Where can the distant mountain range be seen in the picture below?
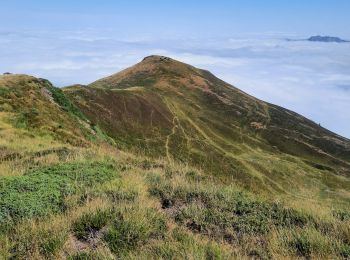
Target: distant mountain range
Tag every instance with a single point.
(319, 38)
(325, 39)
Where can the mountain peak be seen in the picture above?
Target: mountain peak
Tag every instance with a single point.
(156, 58)
(165, 86)
(150, 70)
(320, 38)
(159, 61)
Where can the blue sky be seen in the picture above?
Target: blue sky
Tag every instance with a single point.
(182, 17)
(241, 41)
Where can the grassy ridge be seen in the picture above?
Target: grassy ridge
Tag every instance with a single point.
(36, 105)
(198, 128)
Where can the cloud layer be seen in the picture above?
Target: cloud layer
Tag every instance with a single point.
(310, 78)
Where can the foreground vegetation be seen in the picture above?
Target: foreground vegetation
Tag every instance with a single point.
(103, 204)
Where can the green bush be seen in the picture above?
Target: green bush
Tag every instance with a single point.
(205, 209)
(342, 215)
(42, 191)
(26, 119)
(134, 227)
(120, 195)
(4, 92)
(344, 251)
(59, 97)
(309, 242)
(117, 191)
(50, 244)
(91, 222)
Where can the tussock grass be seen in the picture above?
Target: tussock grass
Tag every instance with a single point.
(138, 208)
(89, 223)
(134, 227)
(230, 214)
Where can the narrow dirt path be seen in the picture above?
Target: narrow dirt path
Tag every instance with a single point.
(176, 124)
(173, 131)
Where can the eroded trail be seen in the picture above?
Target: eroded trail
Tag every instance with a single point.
(173, 131)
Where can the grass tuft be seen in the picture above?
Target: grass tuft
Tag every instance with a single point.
(134, 227)
(90, 223)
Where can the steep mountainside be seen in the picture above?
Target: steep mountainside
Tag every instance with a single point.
(163, 107)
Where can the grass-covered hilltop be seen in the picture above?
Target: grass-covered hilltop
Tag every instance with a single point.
(166, 161)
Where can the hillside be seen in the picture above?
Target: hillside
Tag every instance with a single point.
(31, 103)
(166, 161)
(162, 107)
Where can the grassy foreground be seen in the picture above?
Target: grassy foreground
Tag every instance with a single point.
(99, 203)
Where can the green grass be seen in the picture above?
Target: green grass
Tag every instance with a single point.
(183, 245)
(146, 209)
(26, 119)
(36, 238)
(101, 135)
(60, 98)
(230, 214)
(4, 92)
(41, 192)
(311, 243)
(134, 227)
(89, 223)
(226, 208)
(342, 215)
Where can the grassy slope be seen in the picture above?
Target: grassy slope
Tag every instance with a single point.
(88, 200)
(31, 103)
(162, 107)
(104, 204)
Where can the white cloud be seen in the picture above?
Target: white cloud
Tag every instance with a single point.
(310, 78)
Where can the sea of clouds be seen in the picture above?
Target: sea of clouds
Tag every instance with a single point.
(311, 78)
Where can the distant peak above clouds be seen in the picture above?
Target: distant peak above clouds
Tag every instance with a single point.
(325, 39)
(319, 38)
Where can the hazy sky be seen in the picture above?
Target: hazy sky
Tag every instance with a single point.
(181, 17)
(241, 41)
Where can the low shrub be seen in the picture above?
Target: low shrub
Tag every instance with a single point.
(4, 92)
(59, 97)
(342, 215)
(117, 191)
(205, 208)
(26, 119)
(90, 223)
(309, 242)
(42, 191)
(134, 227)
